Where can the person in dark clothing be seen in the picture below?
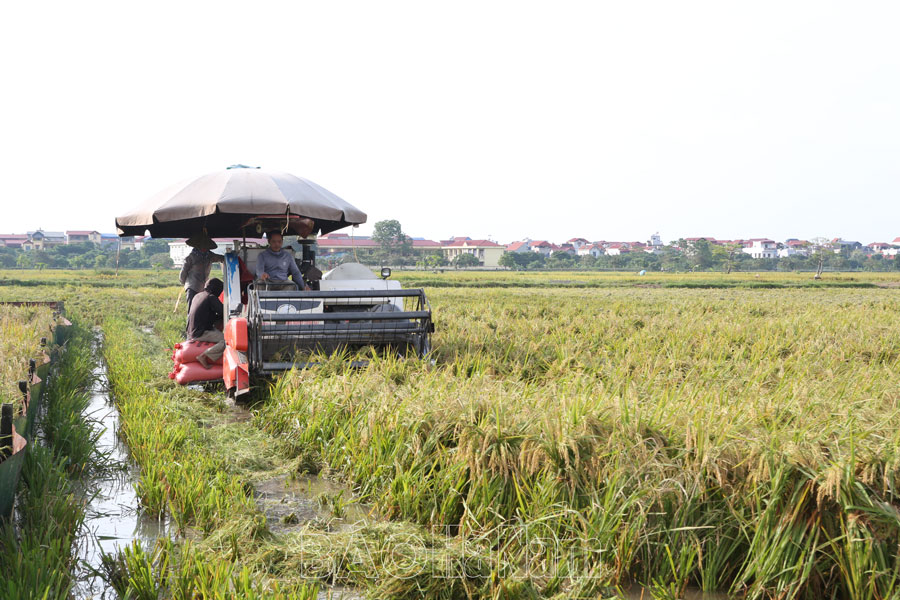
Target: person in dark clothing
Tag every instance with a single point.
(205, 321)
(197, 265)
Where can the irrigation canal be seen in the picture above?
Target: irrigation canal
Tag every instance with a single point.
(113, 518)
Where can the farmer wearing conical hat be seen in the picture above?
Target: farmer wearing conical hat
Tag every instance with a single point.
(197, 265)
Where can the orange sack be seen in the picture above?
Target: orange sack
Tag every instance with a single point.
(186, 352)
(193, 371)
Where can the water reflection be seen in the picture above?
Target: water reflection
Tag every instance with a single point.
(112, 515)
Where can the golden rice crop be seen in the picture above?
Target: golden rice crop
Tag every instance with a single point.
(589, 432)
(728, 439)
(21, 330)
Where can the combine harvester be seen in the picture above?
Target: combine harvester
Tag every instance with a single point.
(279, 325)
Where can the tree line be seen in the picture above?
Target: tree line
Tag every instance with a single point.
(396, 248)
(154, 254)
(703, 256)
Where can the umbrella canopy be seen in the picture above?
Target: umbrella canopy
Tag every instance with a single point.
(223, 202)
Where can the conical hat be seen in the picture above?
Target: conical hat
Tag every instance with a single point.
(201, 241)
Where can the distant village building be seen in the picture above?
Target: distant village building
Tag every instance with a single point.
(541, 247)
(693, 240)
(762, 248)
(594, 250)
(577, 243)
(12, 240)
(111, 239)
(79, 237)
(487, 252)
(41, 240)
(839, 245)
(883, 248)
(522, 246)
(656, 244)
(794, 247)
(616, 248)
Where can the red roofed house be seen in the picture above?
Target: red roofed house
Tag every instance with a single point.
(594, 250)
(13, 240)
(541, 247)
(617, 248)
(487, 252)
(883, 249)
(522, 246)
(76, 237)
(794, 247)
(577, 243)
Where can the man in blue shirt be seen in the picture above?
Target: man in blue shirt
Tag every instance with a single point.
(274, 264)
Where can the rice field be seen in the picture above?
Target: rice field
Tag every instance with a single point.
(21, 330)
(576, 435)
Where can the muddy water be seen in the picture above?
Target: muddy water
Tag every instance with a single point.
(113, 518)
(290, 502)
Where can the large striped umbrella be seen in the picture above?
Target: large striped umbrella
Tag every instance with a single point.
(226, 202)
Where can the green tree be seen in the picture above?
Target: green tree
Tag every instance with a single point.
(25, 260)
(81, 261)
(521, 260)
(435, 259)
(161, 260)
(389, 235)
(465, 260)
(702, 254)
(728, 255)
(154, 246)
(821, 254)
(561, 260)
(508, 260)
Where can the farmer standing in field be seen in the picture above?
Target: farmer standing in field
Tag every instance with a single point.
(197, 265)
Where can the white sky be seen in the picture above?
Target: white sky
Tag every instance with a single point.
(604, 120)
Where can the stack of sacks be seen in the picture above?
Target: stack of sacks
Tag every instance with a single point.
(187, 369)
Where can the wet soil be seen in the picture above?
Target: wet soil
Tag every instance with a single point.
(292, 502)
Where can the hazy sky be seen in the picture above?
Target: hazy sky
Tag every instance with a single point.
(604, 120)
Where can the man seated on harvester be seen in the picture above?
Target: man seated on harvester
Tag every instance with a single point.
(205, 322)
(274, 264)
